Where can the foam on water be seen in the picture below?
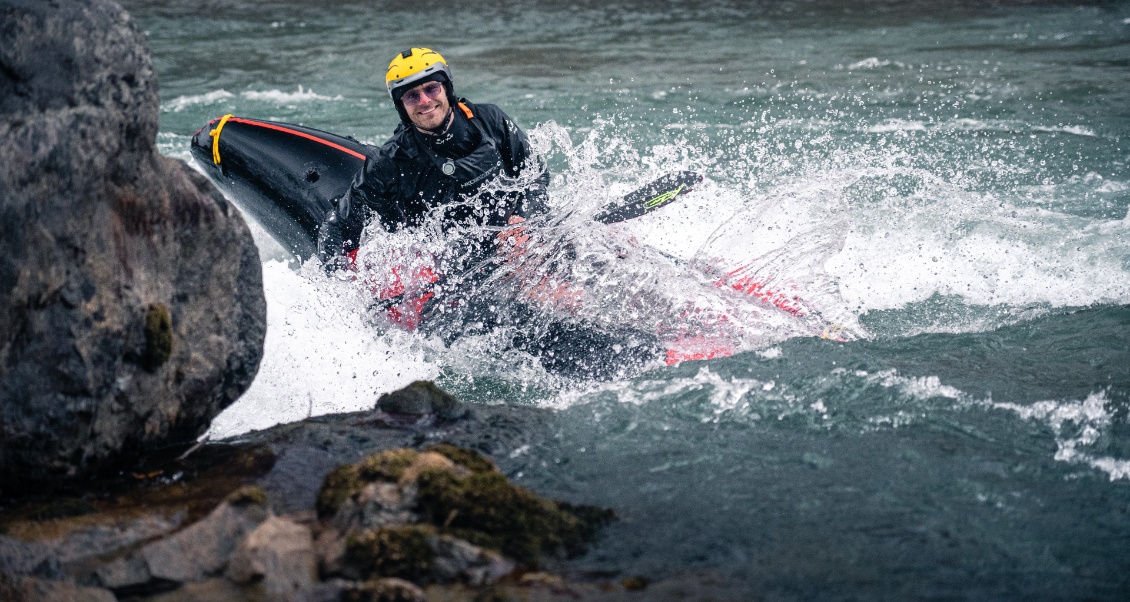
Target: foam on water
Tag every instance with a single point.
(280, 97)
(275, 96)
(321, 354)
(181, 103)
(1078, 426)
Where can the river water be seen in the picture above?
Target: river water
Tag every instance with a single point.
(948, 185)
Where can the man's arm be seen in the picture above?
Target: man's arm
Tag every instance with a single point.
(521, 158)
(340, 231)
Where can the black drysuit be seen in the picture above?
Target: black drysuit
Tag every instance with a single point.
(414, 173)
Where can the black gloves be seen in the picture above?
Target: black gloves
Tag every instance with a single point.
(331, 236)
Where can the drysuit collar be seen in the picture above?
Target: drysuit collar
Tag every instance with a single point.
(457, 139)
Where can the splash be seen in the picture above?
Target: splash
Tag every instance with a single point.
(321, 354)
(1078, 427)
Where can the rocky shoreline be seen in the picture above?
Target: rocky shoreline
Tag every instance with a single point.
(397, 503)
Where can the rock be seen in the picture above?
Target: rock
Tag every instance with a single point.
(279, 554)
(423, 398)
(198, 551)
(209, 590)
(381, 489)
(330, 590)
(401, 551)
(457, 495)
(31, 589)
(131, 301)
(457, 560)
(389, 589)
(330, 550)
(28, 558)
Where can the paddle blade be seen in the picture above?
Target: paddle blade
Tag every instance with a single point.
(654, 195)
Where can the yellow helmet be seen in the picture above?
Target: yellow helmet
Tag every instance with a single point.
(413, 65)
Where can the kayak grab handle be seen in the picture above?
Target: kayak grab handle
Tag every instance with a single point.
(215, 134)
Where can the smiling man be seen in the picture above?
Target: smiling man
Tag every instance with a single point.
(440, 157)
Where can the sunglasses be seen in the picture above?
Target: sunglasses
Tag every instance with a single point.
(416, 96)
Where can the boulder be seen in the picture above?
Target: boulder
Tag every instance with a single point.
(31, 589)
(279, 555)
(422, 398)
(131, 300)
(190, 555)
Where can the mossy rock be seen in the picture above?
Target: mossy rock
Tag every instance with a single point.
(462, 493)
(337, 486)
(402, 552)
(347, 480)
(420, 398)
(487, 510)
(467, 458)
(247, 495)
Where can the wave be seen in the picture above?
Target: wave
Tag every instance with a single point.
(181, 103)
(301, 95)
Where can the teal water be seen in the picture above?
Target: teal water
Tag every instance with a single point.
(950, 184)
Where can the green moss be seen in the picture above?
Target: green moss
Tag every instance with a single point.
(247, 495)
(483, 507)
(469, 459)
(158, 337)
(401, 552)
(387, 465)
(347, 480)
(488, 510)
(338, 485)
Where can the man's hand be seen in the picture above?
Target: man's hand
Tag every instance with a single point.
(513, 239)
(330, 242)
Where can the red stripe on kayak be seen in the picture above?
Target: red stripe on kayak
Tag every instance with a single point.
(272, 126)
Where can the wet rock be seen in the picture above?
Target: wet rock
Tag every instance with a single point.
(423, 398)
(402, 552)
(486, 509)
(459, 561)
(421, 554)
(209, 590)
(385, 590)
(28, 558)
(131, 301)
(437, 516)
(279, 555)
(200, 550)
(330, 590)
(31, 589)
(330, 550)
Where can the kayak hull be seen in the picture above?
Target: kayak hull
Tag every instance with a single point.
(284, 176)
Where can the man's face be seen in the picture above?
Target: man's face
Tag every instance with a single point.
(426, 105)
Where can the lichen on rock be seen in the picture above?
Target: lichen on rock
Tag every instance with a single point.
(158, 337)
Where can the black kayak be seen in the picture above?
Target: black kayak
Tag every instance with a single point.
(283, 175)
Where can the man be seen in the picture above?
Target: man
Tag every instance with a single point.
(440, 158)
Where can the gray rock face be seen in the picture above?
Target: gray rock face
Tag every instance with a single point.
(198, 551)
(279, 554)
(422, 398)
(131, 301)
